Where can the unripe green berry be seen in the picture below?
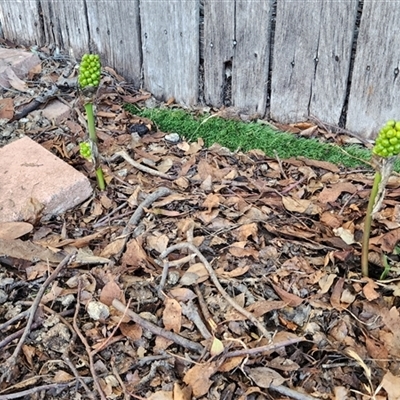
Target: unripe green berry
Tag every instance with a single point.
(387, 143)
(89, 71)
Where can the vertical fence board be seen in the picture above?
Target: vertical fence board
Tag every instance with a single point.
(115, 35)
(312, 54)
(375, 90)
(66, 25)
(20, 22)
(251, 55)
(219, 36)
(332, 70)
(170, 45)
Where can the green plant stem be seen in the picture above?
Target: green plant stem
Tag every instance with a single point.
(93, 137)
(90, 121)
(367, 224)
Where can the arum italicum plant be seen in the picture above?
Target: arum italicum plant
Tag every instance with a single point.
(385, 152)
(88, 80)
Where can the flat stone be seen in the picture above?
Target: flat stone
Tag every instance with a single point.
(31, 177)
(18, 62)
(55, 111)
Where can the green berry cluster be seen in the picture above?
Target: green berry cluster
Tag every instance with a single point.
(387, 143)
(89, 71)
(85, 150)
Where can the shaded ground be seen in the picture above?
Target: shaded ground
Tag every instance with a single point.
(211, 274)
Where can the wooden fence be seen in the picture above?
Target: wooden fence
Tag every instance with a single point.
(337, 60)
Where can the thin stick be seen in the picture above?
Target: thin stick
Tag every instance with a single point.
(156, 330)
(36, 389)
(143, 168)
(104, 344)
(262, 349)
(213, 276)
(291, 393)
(10, 363)
(87, 347)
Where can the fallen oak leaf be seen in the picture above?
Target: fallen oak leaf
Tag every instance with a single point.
(198, 378)
(290, 299)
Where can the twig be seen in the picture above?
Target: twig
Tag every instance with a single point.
(190, 312)
(120, 381)
(36, 389)
(262, 349)
(280, 164)
(34, 326)
(104, 344)
(203, 307)
(78, 377)
(87, 347)
(291, 393)
(156, 330)
(213, 276)
(10, 363)
(135, 218)
(143, 168)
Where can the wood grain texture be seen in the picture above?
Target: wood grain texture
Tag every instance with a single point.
(66, 25)
(20, 22)
(170, 46)
(219, 37)
(312, 54)
(251, 55)
(375, 90)
(115, 35)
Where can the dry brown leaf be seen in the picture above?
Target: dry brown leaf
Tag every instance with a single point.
(113, 248)
(62, 376)
(161, 395)
(14, 230)
(6, 108)
(230, 364)
(182, 294)
(331, 194)
(326, 282)
(198, 378)
(172, 315)
(391, 384)
(111, 291)
(238, 249)
(157, 242)
(239, 271)
(211, 201)
(265, 377)
(337, 294)
(182, 393)
(289, 298)
(196, 273)
(246, 230)
(369, 290)
(131, 330)
(134, 254)
(301, 206)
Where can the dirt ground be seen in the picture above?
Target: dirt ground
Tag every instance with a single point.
(198, 272)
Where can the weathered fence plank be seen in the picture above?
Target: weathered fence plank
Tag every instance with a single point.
(219, 37)
(66, 25)
(375, 89)
(311, 59)
(251, 55)
(20, 22)
(170, 44)
(115, 35)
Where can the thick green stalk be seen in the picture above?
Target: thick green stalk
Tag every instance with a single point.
(368, 222)
(91, 122)
(93, 138)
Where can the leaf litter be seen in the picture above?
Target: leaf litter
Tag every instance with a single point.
(198, 273)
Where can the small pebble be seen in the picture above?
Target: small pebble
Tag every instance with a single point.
(97, 310)
(172, 138)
